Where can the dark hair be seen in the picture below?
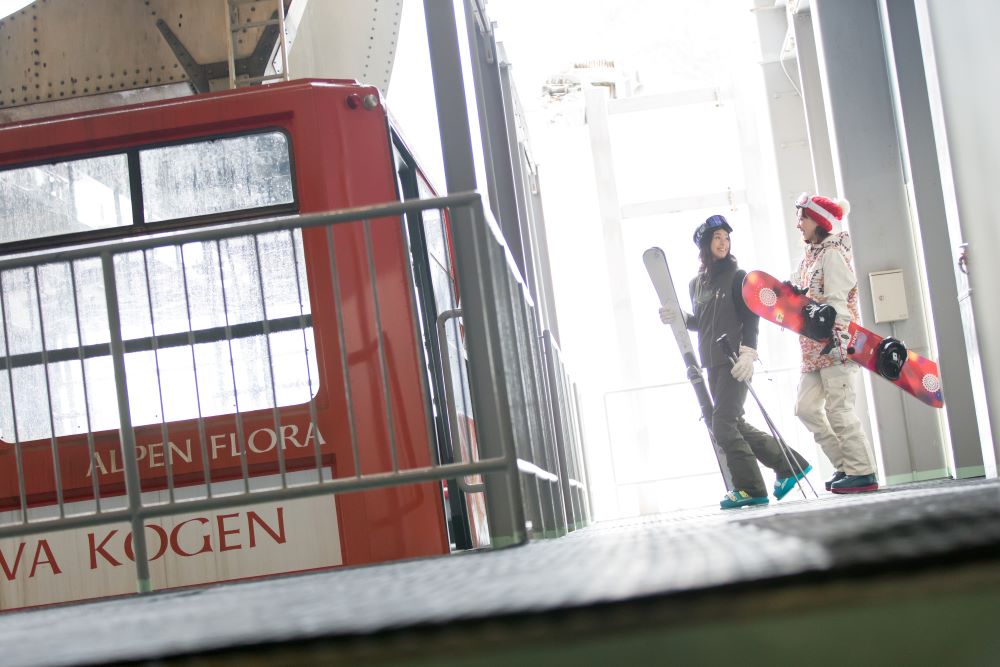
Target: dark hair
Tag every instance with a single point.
(821, 233)
(710, 266)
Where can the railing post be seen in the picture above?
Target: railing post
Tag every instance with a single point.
(559, 424)
(471, 246)
(581, 452)
(488, 373)
(126, 432)
(538, 505)
(543, 445)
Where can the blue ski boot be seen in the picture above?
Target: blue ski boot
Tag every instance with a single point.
(785, 484)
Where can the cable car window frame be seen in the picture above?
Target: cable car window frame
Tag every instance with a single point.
(140, 225)
(119, 162)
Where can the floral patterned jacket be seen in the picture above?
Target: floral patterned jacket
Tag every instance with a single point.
(826, 272)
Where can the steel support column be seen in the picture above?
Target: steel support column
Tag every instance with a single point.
(482, 326)
(957, 41)
(787, 121)
(493, 130)
(812, 100)
(546, 295)
(922, 171)
(868, 171)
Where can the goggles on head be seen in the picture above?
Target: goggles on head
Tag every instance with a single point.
(709, 226)
(806, 203)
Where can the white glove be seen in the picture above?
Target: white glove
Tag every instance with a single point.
(742, 370)
(668, 313)
(840, 340)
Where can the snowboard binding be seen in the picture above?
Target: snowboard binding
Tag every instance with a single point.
(890, 355)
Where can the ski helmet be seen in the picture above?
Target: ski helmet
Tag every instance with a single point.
(707, 228)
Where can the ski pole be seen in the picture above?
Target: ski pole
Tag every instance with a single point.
(723, 341)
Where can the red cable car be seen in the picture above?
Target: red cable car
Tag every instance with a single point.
(250, 361)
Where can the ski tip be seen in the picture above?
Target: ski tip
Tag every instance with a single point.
(655, 250)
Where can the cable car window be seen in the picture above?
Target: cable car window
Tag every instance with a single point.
(434, 229)
(216, 176)
(249, 319)
(73, 196)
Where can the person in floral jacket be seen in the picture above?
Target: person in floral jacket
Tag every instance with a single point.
(825, 402)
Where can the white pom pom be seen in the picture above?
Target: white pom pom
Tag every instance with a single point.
(845, 206)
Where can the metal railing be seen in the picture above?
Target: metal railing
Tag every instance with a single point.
(568, 430)
(532, 402)
(78, 307)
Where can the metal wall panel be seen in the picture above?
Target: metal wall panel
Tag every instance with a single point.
(344, 39)
(116, 52)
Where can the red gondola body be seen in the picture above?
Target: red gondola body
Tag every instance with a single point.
(342, 157)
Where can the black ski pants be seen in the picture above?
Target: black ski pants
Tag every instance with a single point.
(743, 444)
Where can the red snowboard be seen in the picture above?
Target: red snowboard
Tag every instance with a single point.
(773, 300)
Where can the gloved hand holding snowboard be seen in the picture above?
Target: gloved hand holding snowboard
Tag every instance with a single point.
(840, 344)
(819, 320)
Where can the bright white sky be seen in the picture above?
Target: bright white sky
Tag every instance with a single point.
(674, 45)
(10, 6)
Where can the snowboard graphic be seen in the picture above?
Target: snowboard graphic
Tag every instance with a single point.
(773, 300)
(659, 274)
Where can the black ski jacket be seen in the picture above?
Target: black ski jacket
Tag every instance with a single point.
(719, 309)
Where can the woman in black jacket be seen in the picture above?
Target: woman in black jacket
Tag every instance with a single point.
(717, 296)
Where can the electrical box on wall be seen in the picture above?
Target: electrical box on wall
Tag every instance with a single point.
(888, 295)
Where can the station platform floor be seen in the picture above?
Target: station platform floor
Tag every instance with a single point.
(907, 575)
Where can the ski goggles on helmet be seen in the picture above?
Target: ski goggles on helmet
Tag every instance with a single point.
(709, 226)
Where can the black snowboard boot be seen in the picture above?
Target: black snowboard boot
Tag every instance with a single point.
(837, 476)
(855, 484)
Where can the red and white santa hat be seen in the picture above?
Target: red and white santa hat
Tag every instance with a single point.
(824, 211)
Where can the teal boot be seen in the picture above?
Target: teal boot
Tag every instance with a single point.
(740, 498)
(785, 484)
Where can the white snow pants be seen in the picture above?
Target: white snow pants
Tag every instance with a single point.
(826, 406)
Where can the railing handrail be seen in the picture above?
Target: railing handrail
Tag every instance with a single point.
(235, 229)
(366, 482)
